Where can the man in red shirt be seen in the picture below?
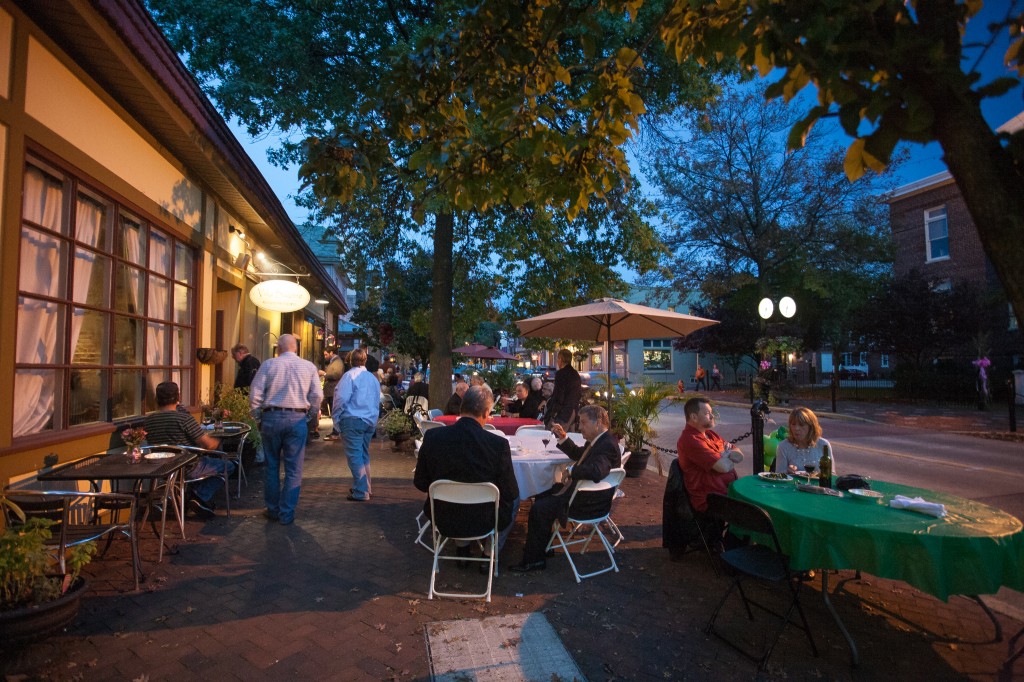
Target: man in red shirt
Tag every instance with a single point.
(706, 460)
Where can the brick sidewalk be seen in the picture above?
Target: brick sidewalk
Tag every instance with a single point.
(341, 595)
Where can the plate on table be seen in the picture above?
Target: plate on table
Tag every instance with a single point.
(774, 477)
(159, 455)
(865, 495)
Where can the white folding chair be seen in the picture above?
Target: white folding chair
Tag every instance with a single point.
(427, 424)
(613, 527)
(585, 495)
(416, 404)
(531, 427)
(435, 413)
(492, 427)
(466, 525)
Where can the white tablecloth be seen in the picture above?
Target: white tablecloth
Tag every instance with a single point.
(533, 465)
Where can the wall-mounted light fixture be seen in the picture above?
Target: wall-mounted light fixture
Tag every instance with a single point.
(237, 231)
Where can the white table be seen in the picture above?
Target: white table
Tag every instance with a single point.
(534, 465)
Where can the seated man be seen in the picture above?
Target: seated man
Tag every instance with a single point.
(171, 426)
(468, 453)
(708, 463)
(593, 462)
(527, 403)
(454, 405)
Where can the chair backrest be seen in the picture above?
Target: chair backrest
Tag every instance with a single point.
(414, 404)
(492, 427)
(459, 510)
(742, 514)
(625, 458)
(435, 413)
(531, 427)
(592, 500)
(426, 424)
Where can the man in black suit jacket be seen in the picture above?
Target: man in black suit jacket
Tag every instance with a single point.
(593, 462)
(468, 453)
(565, 399)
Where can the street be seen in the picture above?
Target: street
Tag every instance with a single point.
(985, 470)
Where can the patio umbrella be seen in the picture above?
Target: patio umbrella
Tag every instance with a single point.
(491, 353)
(610, 319)
(469, 349)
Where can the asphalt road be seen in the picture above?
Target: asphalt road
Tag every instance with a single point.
(988, 471)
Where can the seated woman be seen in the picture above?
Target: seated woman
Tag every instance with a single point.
(803, 444)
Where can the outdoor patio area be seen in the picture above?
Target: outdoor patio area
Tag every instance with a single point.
(341, 594)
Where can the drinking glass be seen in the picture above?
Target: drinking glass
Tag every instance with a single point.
(810, 469)
(546, 438)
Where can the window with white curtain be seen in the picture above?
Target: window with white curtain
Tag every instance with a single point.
(105, 307)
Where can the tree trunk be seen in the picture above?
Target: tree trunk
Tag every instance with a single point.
(441, 304)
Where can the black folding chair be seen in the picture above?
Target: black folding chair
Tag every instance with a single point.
(766, 564)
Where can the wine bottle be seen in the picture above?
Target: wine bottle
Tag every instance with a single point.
(825, 467)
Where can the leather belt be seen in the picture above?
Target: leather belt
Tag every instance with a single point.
(285, 409)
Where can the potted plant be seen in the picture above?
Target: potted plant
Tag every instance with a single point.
(34, 602)
(397, 425)
(632, 414)
(234, 403)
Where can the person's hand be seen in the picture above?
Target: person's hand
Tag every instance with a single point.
(736, 456)
(792, 468)
(557, 431)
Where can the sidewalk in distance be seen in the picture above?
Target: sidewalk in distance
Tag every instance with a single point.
(341, 595)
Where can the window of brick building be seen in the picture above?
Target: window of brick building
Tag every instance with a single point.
(105, 307)
(657, 355)
(936, 233)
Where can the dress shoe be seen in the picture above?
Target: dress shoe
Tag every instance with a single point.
(529, 567)
(353, 498)
(269, 515)
(462, 552)
(200, 509)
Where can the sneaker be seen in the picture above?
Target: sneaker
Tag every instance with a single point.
(333, 436)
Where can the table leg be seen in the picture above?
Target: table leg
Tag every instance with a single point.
(854, 656)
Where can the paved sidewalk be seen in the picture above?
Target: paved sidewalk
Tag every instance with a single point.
(341, 595)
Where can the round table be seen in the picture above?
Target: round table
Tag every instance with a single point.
(973, 550)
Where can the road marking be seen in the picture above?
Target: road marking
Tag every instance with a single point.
(926, 460)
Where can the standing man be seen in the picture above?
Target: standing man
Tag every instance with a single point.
(565, 399)
(593, 462)
(247, 366)
(467, 453)
(285, 392)
(708, 463)
(332, 375)
(356, 407)
(170, 426)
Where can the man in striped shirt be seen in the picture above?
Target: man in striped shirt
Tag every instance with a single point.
(284, 393)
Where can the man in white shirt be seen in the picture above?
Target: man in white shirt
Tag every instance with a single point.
(356, 406)
(284, 393)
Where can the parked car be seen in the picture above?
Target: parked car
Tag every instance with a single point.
(545, 372)
(853, 371)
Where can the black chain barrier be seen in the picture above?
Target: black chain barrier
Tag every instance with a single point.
(672, 452)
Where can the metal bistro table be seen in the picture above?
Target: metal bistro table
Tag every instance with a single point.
(230, 431)
(159, 464)
(973, 550)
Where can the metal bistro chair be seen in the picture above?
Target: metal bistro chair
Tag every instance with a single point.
(589, 506)
(236, 455)
(468, 523)
(765, 563)
(79, 517)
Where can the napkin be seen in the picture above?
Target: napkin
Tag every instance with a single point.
(918, 504)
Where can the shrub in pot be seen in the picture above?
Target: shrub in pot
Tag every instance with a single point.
(397, 425)
(632, 413)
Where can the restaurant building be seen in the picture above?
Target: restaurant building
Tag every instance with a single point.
(133, 230)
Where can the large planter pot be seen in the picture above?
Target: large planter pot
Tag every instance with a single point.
(637, 463)
(40, 620)
(398, 442)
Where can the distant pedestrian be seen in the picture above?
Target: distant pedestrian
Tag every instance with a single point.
(332, 375)
(284, 394)
(716, 378)
(700, 379)
(248, 365)
(356, 408)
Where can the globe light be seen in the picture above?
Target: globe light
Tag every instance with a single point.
(787, 306)
(765, 308)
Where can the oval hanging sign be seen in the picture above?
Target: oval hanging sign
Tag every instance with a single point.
(279, 296)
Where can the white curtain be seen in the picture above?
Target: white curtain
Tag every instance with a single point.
(159, 291)
(89, 216)
(41, 271)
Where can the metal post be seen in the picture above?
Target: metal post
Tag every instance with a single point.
(1011, 392)
(758, 411)
(835, 387)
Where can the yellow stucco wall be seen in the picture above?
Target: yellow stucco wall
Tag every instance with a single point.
(55, 97)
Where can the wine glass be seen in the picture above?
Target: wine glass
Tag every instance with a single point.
(810, 469)
(546, 438)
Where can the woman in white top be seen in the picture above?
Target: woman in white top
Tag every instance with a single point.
(803, 444)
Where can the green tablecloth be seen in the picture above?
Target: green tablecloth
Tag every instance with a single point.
(974, 550)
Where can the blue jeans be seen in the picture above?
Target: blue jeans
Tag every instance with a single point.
(355, 442)
(210, 466)
(284, 443)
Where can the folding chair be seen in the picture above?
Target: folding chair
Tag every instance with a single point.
(589, 506)
(468, 524)
(767, 564)
(77, 519)
(531, 427)
(680, 527)
(417, 405)
(613, 528)
(426, 424)
(492, 427)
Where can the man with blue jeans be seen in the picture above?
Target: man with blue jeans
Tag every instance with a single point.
(284, 393)
(356, 406)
